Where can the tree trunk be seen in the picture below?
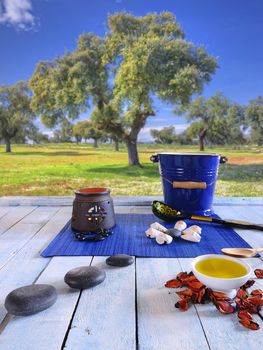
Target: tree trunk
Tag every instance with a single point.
(116, 144)
(202, 136)
(7, 145)
(95, 143)
(132, 152)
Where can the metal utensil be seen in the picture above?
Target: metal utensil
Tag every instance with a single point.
(167, 213)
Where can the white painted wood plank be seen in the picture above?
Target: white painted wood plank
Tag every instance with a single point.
(18, 235)
(28, 263)
(3, 211)
(118, 200)
(13, 216)
(40, 216)
(105, 317)
(224, 331)
(160, 325)
(47, 329)
(253, 237)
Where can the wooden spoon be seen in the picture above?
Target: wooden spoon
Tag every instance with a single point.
(242, 252)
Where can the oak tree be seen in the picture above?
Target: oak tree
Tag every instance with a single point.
(254, 117)
(216, 119)
(16, 115)
(120, 74)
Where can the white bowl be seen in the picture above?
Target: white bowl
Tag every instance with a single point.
(224, 285)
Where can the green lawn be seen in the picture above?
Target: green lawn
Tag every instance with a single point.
(62, 168)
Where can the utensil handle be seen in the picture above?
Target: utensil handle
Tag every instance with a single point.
(189, 184)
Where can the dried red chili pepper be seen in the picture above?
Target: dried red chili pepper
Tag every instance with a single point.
(201, 296)
(173, 284)
(248, 284)
(255, 300)
(181, 275)
(196, 286)
(187, 293)
(189, 279)
(220, 296)
(224, 307)
(244, 314)
(183, 304)
(259, 273)
(241, 293)
(257, 292)
(249, 324)
(245, 305)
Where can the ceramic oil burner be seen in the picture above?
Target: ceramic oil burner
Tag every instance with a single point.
(92, 210)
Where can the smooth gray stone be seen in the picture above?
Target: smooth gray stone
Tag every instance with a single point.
(84, 277)
(30, 299)
(174, 232)
(120, 260)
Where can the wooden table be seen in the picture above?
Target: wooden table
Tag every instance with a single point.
(131, 309)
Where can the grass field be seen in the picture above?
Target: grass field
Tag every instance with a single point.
(60, 169)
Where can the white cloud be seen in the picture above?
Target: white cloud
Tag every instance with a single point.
(17, 13)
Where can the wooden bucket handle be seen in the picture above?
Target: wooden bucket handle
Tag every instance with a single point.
(189, 184)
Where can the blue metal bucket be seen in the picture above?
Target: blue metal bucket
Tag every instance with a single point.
(189, 180)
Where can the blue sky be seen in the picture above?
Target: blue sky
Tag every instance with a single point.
(34, 30)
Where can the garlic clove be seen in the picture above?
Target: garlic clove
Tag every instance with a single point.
(196, 228)
(195, 237)
(152, 233)
(158, 227)
(169, 239)
(180, 225)
(160, 239)
(192, 229)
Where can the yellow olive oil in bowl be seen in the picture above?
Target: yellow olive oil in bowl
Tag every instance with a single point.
(221, 273)
(221, 268)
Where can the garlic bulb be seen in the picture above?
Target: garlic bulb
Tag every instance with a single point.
(180, 225)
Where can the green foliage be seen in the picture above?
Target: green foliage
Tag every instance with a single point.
(254, 116)
(164, 136)
(219, 120)
(86, 130)
(16, 115)
(65, 131)
(139, 57)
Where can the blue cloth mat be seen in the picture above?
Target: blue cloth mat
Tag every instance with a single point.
(129, 238)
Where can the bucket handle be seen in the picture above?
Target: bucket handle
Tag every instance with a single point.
(154, 158)
(223, 159)
(189, 184)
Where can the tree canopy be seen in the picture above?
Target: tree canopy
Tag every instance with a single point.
(16, 115)
(164, 136)
(218, 120)
(119, 74)
(85, 130)
(254, 117)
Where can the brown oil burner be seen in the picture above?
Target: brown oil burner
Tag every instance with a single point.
(92, 210)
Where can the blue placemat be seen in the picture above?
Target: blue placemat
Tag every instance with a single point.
(129, 238)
